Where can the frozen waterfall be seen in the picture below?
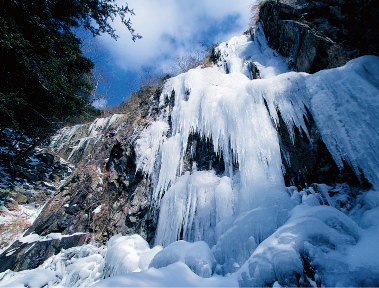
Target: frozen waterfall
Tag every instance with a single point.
(239, 115)
(232, 221)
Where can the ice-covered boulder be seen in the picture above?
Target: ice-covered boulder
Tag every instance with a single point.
(236, 245)
(197, 256)
(127, 254)
(75, 267)
(308, 249)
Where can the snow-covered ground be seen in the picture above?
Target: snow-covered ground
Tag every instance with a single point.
(245, 227)
(342, 247)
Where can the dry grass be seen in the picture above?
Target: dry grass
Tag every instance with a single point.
(255, 8)
(16, 222)
(131, 104)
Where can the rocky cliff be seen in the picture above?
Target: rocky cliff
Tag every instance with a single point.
(104, 195)
(316, 35)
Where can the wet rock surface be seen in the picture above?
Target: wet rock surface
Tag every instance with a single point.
(201, 155)
(254, 71)
(32, 179)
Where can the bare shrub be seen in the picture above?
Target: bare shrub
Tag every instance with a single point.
(185, 63)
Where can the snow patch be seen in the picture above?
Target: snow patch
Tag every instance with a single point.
(52, 236)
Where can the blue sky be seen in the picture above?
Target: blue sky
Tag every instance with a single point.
(170, 29)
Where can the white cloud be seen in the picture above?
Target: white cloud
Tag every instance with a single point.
(172, 28)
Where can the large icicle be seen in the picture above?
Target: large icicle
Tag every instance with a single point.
(194, 205)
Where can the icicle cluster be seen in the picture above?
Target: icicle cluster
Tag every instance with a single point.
(239, 115)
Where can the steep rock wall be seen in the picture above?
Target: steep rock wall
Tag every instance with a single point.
(316, 35)
(105, 195)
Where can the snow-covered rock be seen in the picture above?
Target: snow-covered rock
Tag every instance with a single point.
(126, 254)
(197, 256)
(77, 142)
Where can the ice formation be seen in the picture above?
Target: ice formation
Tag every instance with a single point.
(197, 256)
(236, 211)
(247, 228)
(321, 239)
(195, 204)
(75, 267)
(239, 116)
(126, 254)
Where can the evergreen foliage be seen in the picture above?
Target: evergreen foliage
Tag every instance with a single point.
(44, 77)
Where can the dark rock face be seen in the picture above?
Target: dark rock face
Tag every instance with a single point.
(321, 34)
(307, 160)
(130, 197)
(21, 256)
(33, 181)
(200, 153)
(65, 212)
(254, 71)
